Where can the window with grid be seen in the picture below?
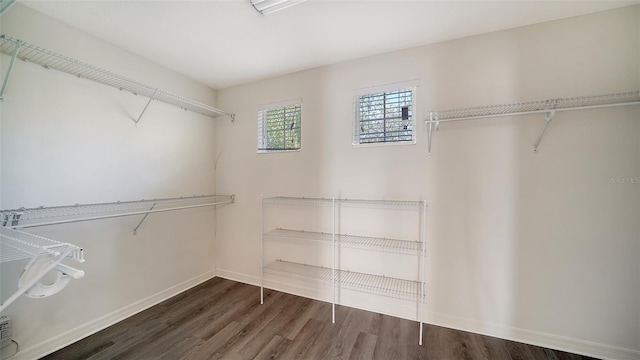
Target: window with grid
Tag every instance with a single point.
(279, 127)
(384, 117)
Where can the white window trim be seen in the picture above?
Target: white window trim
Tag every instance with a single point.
(412, 84)
(275, 105)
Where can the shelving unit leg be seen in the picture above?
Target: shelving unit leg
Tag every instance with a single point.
(423, 237)
(333, 266)
(261, 251)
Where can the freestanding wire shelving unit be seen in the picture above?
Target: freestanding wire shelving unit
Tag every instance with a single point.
(337, 278)
(19, 49)
(46, 254)
(547, 107)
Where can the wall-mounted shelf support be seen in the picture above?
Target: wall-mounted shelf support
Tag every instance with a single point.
(43, 216)
(51, 60)
(146, 106)
(135, 231)
(10, 70)
(547, 107)
(548, 117)
(5, 5)
(45, 255)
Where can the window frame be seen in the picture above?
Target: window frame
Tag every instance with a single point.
(262, 124)
(384, 89)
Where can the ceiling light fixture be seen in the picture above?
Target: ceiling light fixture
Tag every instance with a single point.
(266, 7)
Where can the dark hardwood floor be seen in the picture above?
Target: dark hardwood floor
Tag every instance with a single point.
(223, 319)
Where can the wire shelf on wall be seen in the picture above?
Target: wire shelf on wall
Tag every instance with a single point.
(547, 107)
(41, 216)
(350, 241)
(373, 284)
(18, 245)
(51, 60)
(45, 255)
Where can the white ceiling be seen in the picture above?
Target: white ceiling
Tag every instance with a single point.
(225, 43)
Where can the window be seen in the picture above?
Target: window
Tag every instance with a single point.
(384, 117)
(279, 127)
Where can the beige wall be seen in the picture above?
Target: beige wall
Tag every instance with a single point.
(64, 141)
(539, 247)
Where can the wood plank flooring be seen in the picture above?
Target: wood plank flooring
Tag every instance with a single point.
(223, 319)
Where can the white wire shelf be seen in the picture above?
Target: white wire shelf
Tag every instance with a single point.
(286, 200)
(45, 255)
(351, 241)
(542, 106)
(373, 284)
(18, 245)
(51, 60)
(41, 216)
(547, 107)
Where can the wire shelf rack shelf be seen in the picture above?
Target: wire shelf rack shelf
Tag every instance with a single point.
(541, 106)
(369, 283)
(350, 241)
(41, 216)
(51, 60)
(546, 107)
(18, 245)
(338, 274)
(44, 256)
(396, 204)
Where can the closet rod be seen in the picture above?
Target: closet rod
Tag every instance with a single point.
(51, 60)
(43, 216)
(546, 107)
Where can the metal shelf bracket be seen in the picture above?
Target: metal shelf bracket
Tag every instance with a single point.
(135, 231)
(548, 118)
(10, 69)
(433, 125)
(146, 106)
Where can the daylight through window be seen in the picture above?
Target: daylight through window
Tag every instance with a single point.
(384, 117)
(279, 128)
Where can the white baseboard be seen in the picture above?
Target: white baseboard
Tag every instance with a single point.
(536, 338)
(481, 327)
(239, 277)
(69, 337)
(552, 341)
